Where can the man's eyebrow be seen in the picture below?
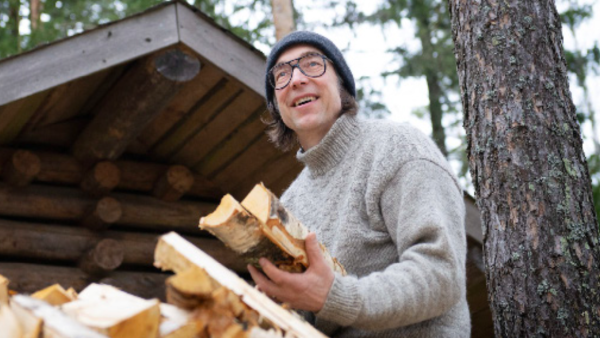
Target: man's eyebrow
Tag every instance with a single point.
(301, 55)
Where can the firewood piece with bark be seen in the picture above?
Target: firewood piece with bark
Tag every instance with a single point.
(105, 212)
(32, 312)
(241, 232)
(115, 313)
(54, 295)
(106, 256)
(282, 228)
(103, 177)
(176, 254)
(174, 183)
(3, 290)
(22, 168)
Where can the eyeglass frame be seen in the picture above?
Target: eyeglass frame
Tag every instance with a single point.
(297, 65)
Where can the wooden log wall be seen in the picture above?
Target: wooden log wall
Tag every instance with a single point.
(71, 202)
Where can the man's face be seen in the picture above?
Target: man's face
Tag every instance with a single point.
(312, 120)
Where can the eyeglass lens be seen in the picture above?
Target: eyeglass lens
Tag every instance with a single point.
(310, 65)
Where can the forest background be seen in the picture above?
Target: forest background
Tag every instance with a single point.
(401, 53)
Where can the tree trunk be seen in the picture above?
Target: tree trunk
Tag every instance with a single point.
(529, 170)
(15, 19)
(431, 75)
(283, 17)
(34, 13)
(435, 110)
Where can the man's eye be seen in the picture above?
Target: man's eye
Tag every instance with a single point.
(280, 74)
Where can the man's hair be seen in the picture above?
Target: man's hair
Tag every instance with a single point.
(283, 137)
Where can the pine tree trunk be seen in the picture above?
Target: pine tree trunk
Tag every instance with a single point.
(431, 75)
(34, 15)
(529, 170)
(283, 17)
(15, 19)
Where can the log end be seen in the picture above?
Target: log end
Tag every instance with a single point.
(177, 66)
(106, 256)
(22, 168)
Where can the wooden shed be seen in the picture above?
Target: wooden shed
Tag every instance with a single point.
(138, 127)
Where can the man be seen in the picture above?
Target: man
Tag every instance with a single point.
(379, 195)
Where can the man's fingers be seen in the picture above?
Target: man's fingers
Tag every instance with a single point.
(263, 282)
(275, 275)
(313, 250)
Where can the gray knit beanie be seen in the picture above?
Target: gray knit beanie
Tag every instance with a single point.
(315, 40)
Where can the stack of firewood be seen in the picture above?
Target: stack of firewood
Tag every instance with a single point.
(205, 300)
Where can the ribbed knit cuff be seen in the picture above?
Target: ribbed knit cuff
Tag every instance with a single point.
(343, 303)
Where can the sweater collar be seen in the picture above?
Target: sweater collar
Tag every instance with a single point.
(332, 148)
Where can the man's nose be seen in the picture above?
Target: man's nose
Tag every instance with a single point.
(298, 77)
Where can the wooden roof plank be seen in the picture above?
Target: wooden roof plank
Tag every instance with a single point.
(231, 146)
(246, 104)
(87, 53)
(14, 116)
(216, 46)
(180, 106)
(213, 104)
(259, 153)
(59, 134)
(269, 173)
(67, 100)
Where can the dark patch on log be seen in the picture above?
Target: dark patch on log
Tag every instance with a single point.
(177, 66)
(22, 167)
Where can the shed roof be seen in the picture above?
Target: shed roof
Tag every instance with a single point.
(51, 97)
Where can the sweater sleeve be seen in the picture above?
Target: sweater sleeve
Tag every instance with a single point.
(423, 212)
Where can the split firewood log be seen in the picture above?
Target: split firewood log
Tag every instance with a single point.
(115, 313)
(54, 295)
(236, 309)
(261, 227)
(176, 322)
(3, 290)
(9, 324)
(40, 319)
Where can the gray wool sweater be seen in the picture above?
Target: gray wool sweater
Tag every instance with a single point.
(384, 201)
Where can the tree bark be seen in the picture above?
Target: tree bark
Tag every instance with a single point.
(283, 17)
(529, 170)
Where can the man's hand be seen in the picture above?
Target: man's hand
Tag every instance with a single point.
(304, 291)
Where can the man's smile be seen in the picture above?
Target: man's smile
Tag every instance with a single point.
(304, 100)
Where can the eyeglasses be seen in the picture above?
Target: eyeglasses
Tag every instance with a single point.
(311, 65)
